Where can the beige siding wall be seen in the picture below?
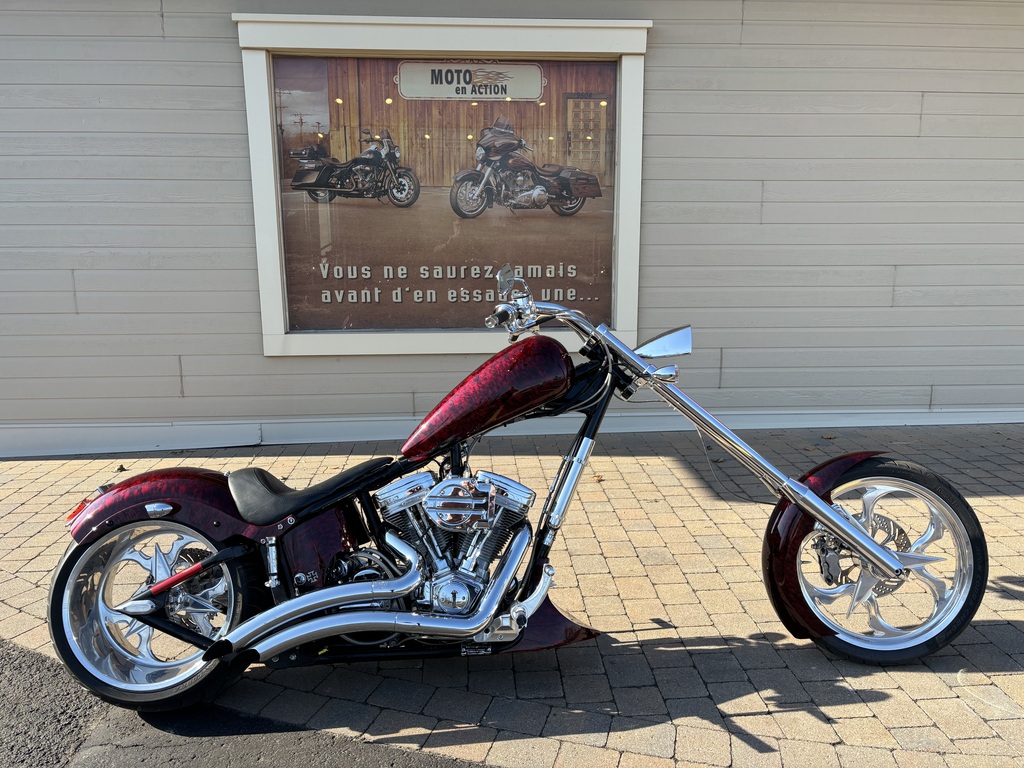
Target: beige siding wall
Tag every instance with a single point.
(833, 196)
(835, 191)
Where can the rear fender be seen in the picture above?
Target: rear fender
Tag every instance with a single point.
(198, 498)
(787, 527)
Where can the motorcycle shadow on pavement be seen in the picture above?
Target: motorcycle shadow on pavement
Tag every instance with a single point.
(214, 720)
(633, 695)
(626, 694)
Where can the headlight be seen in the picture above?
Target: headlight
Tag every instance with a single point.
(398, 153)
(480, 154)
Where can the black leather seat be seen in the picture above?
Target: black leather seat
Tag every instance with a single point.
(553, 170)
(263, 499)
(336, 163)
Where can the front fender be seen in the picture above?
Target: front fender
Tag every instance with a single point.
(198, 498)
(787, 527)
(470, 174)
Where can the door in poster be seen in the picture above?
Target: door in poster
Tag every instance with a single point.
(588, 125)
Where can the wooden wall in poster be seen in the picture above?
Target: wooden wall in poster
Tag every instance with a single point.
(364, 85)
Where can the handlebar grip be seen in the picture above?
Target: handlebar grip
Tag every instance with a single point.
(502, 314)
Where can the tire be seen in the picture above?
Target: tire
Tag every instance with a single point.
(461, 198)
(128, 663)
(570, 207)
(406, 191)
(908, 509)
(322, 196)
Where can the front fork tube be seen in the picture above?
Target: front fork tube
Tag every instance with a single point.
(559, 497)
(563, 488)
(834, 519)
(483, 182)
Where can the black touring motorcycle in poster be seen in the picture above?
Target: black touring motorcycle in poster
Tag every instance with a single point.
(373, 174)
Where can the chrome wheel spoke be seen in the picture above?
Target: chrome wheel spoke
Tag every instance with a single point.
(121, 650)
(165, 561)
(193, 605)
(877, 623)
(145, 634)
(198, 613)
(868, 502)
(140, 558)
(936, 586)
(928, 537)
(935, 531)
(829, 596)
(214, 594)
(862, 591)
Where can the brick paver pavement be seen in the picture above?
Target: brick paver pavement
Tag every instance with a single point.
(693, 667)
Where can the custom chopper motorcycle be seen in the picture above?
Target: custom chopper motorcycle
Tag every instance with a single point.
(178, 579)
(373, 174)
(505, 175)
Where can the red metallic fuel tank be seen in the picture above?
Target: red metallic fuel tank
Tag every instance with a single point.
(521, 377)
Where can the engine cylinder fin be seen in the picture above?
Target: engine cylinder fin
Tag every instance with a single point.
(461, 525)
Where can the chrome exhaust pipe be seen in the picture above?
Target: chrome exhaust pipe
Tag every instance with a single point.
(406, 623)
(330, 597)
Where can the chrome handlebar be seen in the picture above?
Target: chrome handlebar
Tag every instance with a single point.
(520, 313)
(503, 313)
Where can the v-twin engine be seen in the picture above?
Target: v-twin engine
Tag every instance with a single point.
(524, 191)
(459, 525)
(531, 198)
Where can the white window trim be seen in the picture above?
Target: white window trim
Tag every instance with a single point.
(261, 35)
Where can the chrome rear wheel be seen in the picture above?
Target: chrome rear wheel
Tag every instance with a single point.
(568, 207)
(321, 195)
(116, 655)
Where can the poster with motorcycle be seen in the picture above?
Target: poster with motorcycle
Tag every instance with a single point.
(403, 183)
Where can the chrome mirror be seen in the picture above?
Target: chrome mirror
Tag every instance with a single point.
(678, 341)
(506, 281)
(669, 373)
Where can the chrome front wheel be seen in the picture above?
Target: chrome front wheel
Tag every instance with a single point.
(120, 658)
(469, 198)
(875, 619)
(406, 189)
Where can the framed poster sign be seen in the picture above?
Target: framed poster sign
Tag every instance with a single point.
(390, 182)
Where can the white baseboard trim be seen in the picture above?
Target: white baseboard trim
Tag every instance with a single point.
(77, 438)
